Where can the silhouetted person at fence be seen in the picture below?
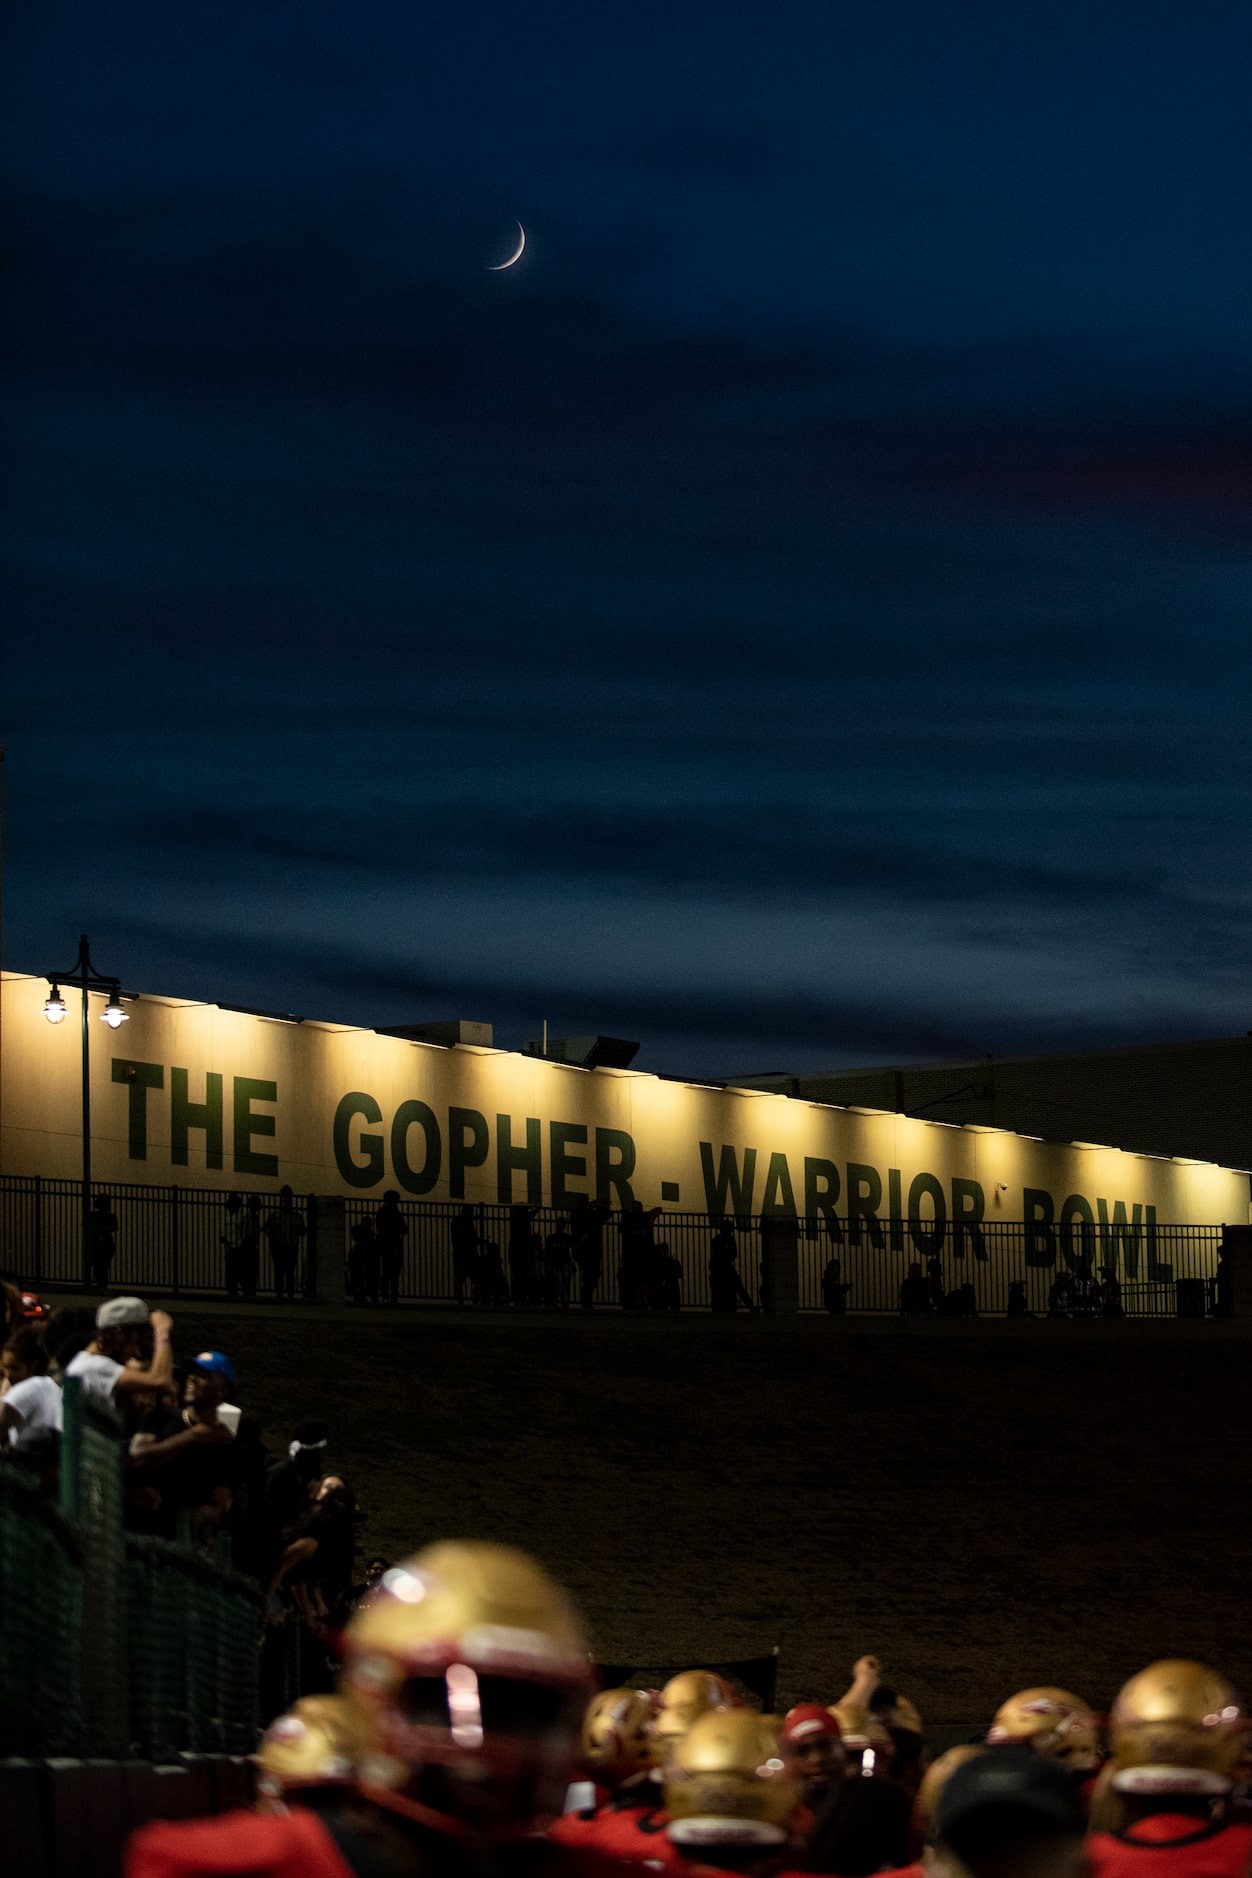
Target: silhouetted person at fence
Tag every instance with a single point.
(1110, 1293)
(464, 1253)
(558, 1260)
(284, 1229)
(665, 1285)
(1061, 1296)
(1086, 1302)
(364, 1263)
(637, 1251)
(234, 1237)
(522, 1252)
(391, 1229)
(934, 1280)
(101, 1240)
(250, 1252)
(834, 1290)
(493, 1289)
(1018, 1306)
(1220, 1285)
(587, 1227)
(915, 1293)
(726, 1291)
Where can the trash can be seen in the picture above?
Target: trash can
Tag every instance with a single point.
(1190, 1297)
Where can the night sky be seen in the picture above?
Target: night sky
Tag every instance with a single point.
(797, 615)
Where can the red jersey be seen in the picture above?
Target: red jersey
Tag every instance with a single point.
(634, 1834)
(1172, 1845)
(260, 1845)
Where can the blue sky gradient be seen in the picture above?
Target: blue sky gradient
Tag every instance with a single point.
(798, 615)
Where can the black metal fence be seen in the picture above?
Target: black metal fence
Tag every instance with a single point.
(870, 1261)
(175, 1239)
(168, 1239)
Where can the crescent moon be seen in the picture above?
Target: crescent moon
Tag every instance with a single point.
(499, 266)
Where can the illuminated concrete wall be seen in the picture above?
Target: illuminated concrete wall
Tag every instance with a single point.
(195, 1095)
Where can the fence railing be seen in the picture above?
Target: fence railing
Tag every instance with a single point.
(172, 1240)
(168, 1239)
(115, 1645)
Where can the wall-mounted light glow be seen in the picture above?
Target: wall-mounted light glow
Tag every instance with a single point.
(54, 1009)
(113, 1014)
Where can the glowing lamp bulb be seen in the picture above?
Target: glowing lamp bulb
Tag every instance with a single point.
(113, 1014)
(54, 1009)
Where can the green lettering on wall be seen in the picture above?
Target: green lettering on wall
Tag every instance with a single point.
(139, 1078)
(1123, 1233)
(821, 1194)
(468, 1141)
(566, 1166)
(409, 1115)
(368, 1171)
(727, 1189)
(778, 1200)
(1157, 1269)
(615, 1163)
(511, 1160)
(864, 1200)
(1076, 1233)
(895, 1210)
(927, 1235)
(250, 1089)
(1037, 1212)
(969, 1203)
(186, 1115)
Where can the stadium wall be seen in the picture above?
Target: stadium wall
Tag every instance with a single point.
(197, 1094)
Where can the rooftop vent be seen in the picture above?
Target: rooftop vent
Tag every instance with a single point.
(452, 1030)
(587, 1052)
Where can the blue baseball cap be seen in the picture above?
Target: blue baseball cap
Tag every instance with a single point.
(213, 1363)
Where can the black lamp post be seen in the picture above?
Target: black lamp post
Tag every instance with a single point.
(84, 974)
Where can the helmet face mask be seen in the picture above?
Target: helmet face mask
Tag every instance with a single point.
(312, 1750)
(683, 1700)
(1056, 1724)
(616, 1735)
(472, 1668)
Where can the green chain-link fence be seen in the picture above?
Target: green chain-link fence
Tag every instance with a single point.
(115, 1645)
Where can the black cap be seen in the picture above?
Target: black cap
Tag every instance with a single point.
(1007, 1793)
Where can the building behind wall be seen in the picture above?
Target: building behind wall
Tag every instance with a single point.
(1174, 1099)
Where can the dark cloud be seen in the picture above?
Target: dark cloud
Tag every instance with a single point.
(356, 988)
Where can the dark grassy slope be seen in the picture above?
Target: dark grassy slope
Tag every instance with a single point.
(984, 1506)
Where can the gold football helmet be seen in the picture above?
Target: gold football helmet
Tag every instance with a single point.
(316, 1744)
(936, 1778)
(864, 1735)
(1054, 1723)
(469, 1659)
(616, 1735)
(727, 1783)
(1176, 1728)
(685, 1697)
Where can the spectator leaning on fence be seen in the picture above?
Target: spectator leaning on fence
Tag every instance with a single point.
(186, 1453)
(112, 1363)
(288, 1482)
(32, 1399)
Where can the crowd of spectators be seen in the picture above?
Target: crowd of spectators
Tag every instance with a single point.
(197, 1466)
